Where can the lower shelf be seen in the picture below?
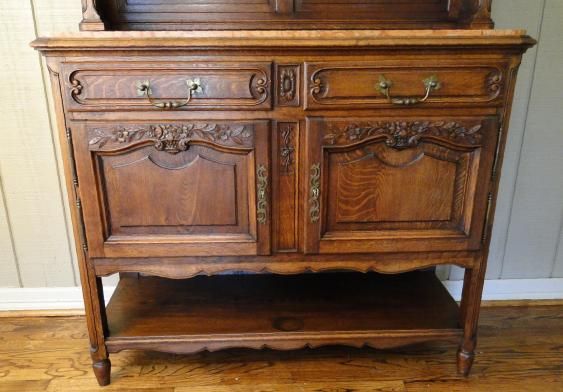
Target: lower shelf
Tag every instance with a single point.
(280, 312)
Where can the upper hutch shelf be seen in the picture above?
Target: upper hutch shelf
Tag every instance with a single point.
(284, 14)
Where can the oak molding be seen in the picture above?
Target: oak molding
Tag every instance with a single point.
(328, 39)
(283, 264)
(281, 340)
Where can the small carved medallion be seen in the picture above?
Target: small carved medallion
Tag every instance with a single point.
(287, 148)
(404, 134)
(288, 83)
(174, 138)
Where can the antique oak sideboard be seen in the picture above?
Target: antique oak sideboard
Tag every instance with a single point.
(334, 160)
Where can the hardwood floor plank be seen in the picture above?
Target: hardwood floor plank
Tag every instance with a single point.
(379, 386)
(520, 349)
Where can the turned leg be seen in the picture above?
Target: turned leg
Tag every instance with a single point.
(469, 315)
(102, 370)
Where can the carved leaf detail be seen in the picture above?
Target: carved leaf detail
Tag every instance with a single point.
(404, 134)
(174, 138)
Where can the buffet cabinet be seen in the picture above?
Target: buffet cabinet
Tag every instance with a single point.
(334, 169)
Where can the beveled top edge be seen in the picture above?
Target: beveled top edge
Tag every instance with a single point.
(279, 38)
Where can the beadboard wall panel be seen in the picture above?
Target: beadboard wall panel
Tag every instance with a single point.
(510, 14)
(534, 229)
(30, 176)
(35, 197)
(8, 265)
(558, 262)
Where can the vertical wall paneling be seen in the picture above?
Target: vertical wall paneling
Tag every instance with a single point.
(53, 17)
(511, 14)
(537, 209)
(9, 276)
(29, 168)
(558, 263)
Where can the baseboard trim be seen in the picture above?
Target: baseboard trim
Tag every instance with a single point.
(70, 298)
(514, 289)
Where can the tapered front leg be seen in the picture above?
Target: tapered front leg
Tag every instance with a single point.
(102, 370)
(469, 315)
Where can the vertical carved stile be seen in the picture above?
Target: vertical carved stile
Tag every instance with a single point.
(262, 189)
(78, 202)
(287, 149)
(315, 193)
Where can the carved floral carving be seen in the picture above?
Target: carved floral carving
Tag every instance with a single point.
(287, 149)
(404, 134)
(174, 138)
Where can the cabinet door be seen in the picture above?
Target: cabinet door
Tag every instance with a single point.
(397, 185)
(190, 188)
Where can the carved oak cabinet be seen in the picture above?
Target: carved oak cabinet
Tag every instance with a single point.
(367, 138)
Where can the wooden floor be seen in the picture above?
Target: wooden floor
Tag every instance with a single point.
(520, 349)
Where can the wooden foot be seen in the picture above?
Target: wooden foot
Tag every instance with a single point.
(102, 370)
(464, 361)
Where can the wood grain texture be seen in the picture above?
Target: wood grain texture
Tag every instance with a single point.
(520, 350)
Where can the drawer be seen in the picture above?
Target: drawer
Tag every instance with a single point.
(178, 86)
(406, 84)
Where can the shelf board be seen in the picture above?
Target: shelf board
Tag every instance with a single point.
(281, 312)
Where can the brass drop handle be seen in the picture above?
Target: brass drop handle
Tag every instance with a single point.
(144, 89)
(431, 83)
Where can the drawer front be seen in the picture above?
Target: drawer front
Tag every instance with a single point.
(124, 86)
(409, 83)
(397, 185)
(184, 188)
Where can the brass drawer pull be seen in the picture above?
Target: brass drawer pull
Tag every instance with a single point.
(262, 202)
(144, 89)
(431, 83)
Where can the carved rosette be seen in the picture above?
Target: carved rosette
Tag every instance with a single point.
(288, 82)
(174, 138)
(404, 134)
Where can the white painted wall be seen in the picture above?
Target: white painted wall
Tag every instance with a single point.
(35, 234)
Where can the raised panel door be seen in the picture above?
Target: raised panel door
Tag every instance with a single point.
(394, 185)
(175, 189)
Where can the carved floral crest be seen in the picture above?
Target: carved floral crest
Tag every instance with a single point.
(404, 134)
(173, 138)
